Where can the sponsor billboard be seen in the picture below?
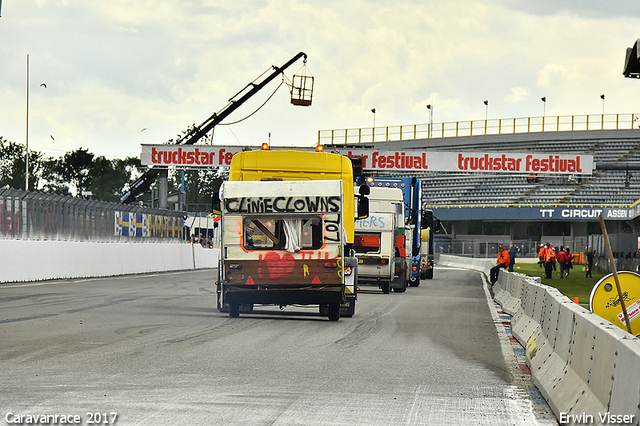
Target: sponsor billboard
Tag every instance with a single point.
(188, 155)
(474, 162)
(194, 156)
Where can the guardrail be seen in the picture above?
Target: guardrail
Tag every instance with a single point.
(583, 365)
(496, 126)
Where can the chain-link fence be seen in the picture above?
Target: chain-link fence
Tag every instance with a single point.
(489, 249)
(625, 257)
(40, 216)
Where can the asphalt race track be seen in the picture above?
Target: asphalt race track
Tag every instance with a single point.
(155, 350)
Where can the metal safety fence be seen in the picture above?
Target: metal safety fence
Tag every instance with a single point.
(41, 216)
(497, 126)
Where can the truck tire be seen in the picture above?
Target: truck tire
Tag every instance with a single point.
(386, 287)
(334, 311)
(401, 289)
(324, 310)
(234, 310)
(429, 274)
(349, 310)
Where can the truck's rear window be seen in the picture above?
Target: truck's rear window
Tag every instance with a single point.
(367, 243)
(272, 233)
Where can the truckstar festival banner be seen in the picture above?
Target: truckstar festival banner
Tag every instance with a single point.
(194, 156)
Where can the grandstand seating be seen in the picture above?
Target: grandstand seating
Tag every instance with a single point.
(609, 187)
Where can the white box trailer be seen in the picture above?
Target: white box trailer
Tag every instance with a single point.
(283, 243)
(380, 243)
(374, 246)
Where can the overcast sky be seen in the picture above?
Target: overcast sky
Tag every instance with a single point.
(114, 68)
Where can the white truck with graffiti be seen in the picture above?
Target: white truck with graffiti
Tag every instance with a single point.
(286, 235)
(380, 244)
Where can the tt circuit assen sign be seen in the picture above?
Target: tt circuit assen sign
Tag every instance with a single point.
(577, 213)
(193, 156)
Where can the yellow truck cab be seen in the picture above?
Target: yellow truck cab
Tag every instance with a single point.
(287, 232)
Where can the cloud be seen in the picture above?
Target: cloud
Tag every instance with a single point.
(115, 67)
(592, 9)
(518, 95)
(552, 73)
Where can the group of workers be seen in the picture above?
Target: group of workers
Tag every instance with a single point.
(547, 256)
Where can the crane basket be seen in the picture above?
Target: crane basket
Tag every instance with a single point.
(302, 88)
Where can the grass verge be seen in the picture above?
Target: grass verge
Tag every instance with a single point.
(575, 285)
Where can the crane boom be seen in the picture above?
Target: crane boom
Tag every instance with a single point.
(200, 131)
(142, 184)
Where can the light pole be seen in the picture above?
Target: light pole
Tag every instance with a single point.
(486, 115)
(26, 172)
(602, 97)
(430, 108)
(544, 109)
(373, 129)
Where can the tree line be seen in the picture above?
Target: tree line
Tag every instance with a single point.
(79, 171)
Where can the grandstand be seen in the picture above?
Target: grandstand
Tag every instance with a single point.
(610, 184)
(612, 190)
(604, 187)
(611, 139)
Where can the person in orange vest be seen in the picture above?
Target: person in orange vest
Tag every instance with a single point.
(541, 255)
(503, 263)
(549, 260)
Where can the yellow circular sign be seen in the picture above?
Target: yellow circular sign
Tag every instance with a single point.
(605, 301)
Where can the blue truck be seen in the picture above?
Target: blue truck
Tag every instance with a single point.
(412, 193)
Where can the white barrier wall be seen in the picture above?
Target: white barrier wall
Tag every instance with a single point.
(26, 260)
(582, 364)
(482, 265)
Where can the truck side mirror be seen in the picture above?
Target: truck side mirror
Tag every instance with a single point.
(363, 202)
(363, 207)
(215, 202)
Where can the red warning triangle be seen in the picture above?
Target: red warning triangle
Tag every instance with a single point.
(249, 281)
(316, 280)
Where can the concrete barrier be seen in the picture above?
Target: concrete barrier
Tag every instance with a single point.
(481, 265)
(625, 392)
(586, 368)
(27, 260)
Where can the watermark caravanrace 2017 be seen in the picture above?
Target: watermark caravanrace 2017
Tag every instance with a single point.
(191, 156)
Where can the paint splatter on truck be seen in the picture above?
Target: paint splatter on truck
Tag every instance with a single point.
(287, 232)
